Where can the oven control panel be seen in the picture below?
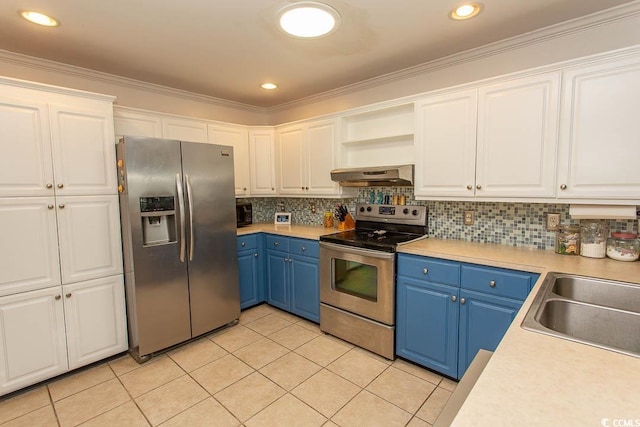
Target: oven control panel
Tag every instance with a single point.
(399, 214)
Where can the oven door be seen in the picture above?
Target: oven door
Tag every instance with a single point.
(357, 280)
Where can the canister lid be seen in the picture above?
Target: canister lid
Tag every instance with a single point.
(624, 235)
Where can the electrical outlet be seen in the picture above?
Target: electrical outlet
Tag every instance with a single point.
(469, 217)
(313, 208)
(553, 221)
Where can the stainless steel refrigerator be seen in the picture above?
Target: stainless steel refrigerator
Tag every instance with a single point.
(179, 240)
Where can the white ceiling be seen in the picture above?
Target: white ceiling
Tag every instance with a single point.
(227, 48)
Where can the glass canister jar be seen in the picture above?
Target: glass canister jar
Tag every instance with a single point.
(568, 240)
(623, 246)
(327, 220)
(593, 238)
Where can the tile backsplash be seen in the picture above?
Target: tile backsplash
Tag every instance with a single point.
(514, 224)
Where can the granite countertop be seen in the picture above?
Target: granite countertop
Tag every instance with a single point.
(533, 379)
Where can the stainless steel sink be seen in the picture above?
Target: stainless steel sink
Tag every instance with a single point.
(591, 311)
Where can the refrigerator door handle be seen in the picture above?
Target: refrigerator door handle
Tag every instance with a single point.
(190, 203)
(181, 209)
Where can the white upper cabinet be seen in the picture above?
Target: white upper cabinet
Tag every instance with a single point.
(599, 143)
(29, 249)
(25, 149)
(306, 156)
(238, 138)
(446, 145)
(518, 137)
(132, 123)
(498, 141)
(262, 161)
(184, 129)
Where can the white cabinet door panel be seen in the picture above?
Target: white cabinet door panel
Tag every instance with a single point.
(291, 161)
(32, 338)
(29, 249)
(446, 145)
(321, 158)
(95, 320)
(262, 159)
(517, 137)
(238, 138)
(25, 149)
(136, 124)
(184, 129)
(83, 150)
(599, 143)
(89, 233)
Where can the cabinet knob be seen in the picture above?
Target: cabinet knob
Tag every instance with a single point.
(306, 188)
(425, 270)
(50, 206)
(463, 300)
(454, 298)
(563, 187)
(478, 187)
(255, 255)
(243, 244)
(244, 188)
(57, 297)
(276, 243)
(61, 205)
(68, 295)
(469, 187)
(302, 188)
(303, 248)
(60, 185)
(492, 283)
(272, 189)
(49, 185)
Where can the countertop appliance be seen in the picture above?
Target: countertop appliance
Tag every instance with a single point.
(357, 274)
(178, 231)
(244, 214)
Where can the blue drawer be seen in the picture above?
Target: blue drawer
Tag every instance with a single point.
(497, 281)
(249, 241)
(304, 247)
(278, 243)
(429, 269)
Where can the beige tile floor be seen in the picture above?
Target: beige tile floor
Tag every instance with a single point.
(272, 369)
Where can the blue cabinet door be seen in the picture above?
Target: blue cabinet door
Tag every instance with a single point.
(250, 278)
(277, 279)
(484, 319)
(427, 324)
(305, 290)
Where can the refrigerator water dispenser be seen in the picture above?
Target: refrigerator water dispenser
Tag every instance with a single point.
(158, 218)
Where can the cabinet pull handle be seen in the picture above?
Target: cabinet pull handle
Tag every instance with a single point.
(425, 270)
(50, 206)
(563, 187)
(255, 255)
(469, 187)
(57, 297)
(492, 283)
(49, 185)
(243, 244)
(454, 298)
(60, 185)
(61, 205)
(478, 187)
(462, 300)
(68, 295)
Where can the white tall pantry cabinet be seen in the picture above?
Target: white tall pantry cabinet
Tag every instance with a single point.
(61, 287)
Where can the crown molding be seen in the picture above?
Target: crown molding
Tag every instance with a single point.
(577, 25)
(75, 71)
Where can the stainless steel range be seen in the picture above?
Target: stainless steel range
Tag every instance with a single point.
(357, 274)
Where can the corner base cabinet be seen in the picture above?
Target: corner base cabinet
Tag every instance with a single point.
(447, 310)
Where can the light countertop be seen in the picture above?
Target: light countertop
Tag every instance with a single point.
(303, 231)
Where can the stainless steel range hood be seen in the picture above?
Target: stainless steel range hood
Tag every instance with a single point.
(375, 176)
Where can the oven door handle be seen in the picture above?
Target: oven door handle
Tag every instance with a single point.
(358, 251)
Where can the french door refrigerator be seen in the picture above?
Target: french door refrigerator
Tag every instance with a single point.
(177, 206)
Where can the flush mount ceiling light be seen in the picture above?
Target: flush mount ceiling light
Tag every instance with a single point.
(308, 19)
(465, 11)
(38, 18)
(268, 86)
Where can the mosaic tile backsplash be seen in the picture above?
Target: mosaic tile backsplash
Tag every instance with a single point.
(514, 224)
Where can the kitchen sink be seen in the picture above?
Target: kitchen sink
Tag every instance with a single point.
(591, 311)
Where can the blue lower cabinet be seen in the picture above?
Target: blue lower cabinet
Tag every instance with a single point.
(250, 270)
(292, 276)
(447, 310)
(427, 324)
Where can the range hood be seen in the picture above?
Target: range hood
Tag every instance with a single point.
(375, 176)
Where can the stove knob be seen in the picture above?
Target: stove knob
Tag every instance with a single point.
(361, 208)
(414, 212)
(405, 211)
(368, 208)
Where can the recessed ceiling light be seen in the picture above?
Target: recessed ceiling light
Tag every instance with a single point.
(465, 11)
(38, 18)
(308, 19)
(268, 86)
